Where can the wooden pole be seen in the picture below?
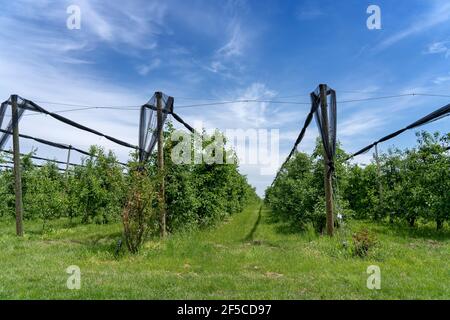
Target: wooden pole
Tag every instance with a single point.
(68, 159)
(161, 195)
(17, 169)
(327, 172)
(380, 186)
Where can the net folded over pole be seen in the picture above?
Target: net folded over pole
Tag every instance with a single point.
(330, 143)
(328, 135)
(148, 133)
(4, 138)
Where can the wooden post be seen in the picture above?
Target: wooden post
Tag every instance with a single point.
(161, 195)
(68, 159)
(327, 172)
(17, 168)
(380, 186)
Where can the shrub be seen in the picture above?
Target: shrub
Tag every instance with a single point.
(363, 241)
(140, 214)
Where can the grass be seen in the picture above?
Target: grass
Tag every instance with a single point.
(248, 256)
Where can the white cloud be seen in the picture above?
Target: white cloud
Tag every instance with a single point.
(143, 70)
(440, 47)
(227, 60)
(124, 26)
(441, 79)
(42, 81)
(253, 114)
(216, 66)
(438, 14)
(309, 11)
(239, 115)
(131, 23)
(309, 140)
(360, 123)
(235, 44)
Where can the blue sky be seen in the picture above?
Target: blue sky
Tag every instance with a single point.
(199, 51)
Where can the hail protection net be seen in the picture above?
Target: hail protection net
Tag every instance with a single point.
(6, 130)
(3, 107)
(328, 136)
(433, 116)
(148, 130)
(24, 104)
(326, 122)
(30, 105)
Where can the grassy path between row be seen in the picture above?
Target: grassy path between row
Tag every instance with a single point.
(247, 256)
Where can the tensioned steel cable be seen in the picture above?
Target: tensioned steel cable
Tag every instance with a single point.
(218, 103)
(179, 119)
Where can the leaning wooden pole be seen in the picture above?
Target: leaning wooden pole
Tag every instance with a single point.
(161, 194)
(17, 169)
(327, 172)
(380, 186)
(68, 158)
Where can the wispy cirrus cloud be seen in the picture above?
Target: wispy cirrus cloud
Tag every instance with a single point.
(309, 12)
(441, 79)
(225, 59)
(360, 123)
(216, 67)
(145, 69)
(235, 44)
(135, 23)
(242, 114)
(439, 47)
(123, 26)
(438, 14)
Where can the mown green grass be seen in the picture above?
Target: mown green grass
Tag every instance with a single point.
(249, 256)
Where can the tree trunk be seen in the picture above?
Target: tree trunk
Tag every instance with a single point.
(439, 224)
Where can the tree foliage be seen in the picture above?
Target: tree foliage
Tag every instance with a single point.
(103, 191)
(297, 195)
(413, 184)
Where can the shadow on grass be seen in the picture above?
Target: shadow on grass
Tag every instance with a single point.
(63, 232)
(421, 231)
(109, 247)
(418, 232)
(287, 228)
(281, 225)
(249, 236)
